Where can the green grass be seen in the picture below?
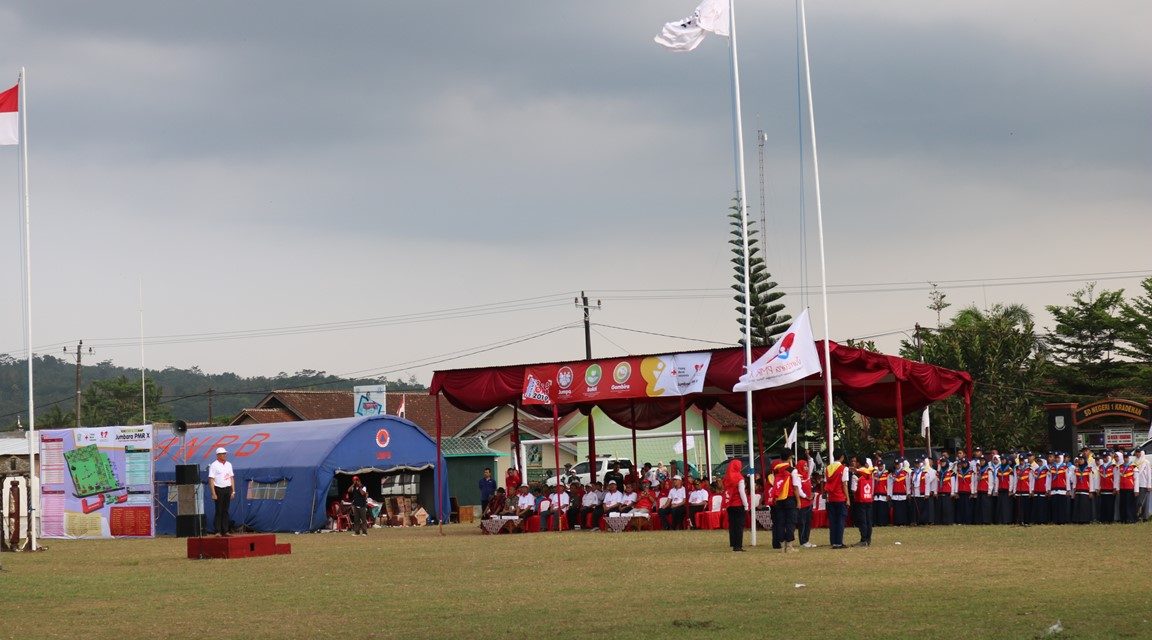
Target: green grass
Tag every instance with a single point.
(953, 582)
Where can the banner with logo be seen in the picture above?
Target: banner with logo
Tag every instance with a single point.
(96, 482)
(670, 375)
(793, 357)
(370, 400)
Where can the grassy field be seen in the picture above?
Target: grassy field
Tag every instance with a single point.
(955, 582)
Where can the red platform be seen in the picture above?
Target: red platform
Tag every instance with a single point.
(243, 546)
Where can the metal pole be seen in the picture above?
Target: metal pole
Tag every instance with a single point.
(34, 484)
(820, 230)
(741, 190)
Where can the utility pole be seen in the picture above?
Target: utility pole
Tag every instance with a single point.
(210, 393)
(79, 357)
(582, 303)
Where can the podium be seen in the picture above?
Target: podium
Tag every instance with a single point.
(236, 546)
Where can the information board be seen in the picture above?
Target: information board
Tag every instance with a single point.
(96, 482)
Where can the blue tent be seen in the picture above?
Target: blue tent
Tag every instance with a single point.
(286, 473)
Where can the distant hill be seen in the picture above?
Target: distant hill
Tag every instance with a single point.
(185, 391)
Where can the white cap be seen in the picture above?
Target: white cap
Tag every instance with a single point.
(220, 450)
(677, 478)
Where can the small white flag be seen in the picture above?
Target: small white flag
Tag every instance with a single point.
(400, 409)
(792, 358)
(924, 425)
(9, 116)
(790, 438)
(687, 34)
(678, 446)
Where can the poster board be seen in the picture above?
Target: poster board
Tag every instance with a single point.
(96, 482)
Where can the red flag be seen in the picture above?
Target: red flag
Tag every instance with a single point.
(9, 118)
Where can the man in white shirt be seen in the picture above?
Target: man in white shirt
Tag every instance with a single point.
(629, 499)
(672, 516)
(590, 506)
(221, 481)
(525, 502)
(613, 499)
(697, 502)
(560, 501)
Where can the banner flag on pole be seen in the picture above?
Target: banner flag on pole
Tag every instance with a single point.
(9, 116)
(792, 358)
(400, 411)
(687, 34)
(924, 423)
(790, 438)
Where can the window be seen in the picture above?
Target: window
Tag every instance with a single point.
(172, 492)
(267, 490)
(734, 450)
(400, 484)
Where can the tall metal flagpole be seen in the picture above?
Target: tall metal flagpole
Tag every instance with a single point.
(34, 503)
(820, 230)
(738, 156)
(143, 386)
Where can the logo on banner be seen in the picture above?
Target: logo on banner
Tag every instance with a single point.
(538, 391)
(593, 375)
(622, 372)
(383, 438)
(792, 358)
(564, 377)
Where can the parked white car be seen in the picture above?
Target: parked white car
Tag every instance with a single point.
(580, 470)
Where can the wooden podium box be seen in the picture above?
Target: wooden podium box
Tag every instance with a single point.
(238, 546)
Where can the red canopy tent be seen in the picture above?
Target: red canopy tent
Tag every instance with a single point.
(872, 384)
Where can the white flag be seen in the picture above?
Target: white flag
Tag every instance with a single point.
(792, 358)
(400, 409)
(687, 34)
(678, 447)
(924, 424)
(790, 438)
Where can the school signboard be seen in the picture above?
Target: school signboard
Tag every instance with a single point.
(96, 482)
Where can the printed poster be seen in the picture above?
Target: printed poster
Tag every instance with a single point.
(96, 482)
(668, 375)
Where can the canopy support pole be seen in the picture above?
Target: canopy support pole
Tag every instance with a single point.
(632, 417)
(760, 447)
(683, 437)
(439, 471)
(707, 449)
(592, 439)
(556, 452)
(900, 416)
(519, 455)
(968, 420)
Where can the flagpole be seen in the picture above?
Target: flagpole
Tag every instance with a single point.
(34, 489)
(738, 157)
(143, 386)
(820, 230)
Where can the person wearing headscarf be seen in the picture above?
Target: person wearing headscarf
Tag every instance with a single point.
(924, 488)
(1004, 484)
(985, 490)
(836, 491)
(1058, 502)
(965, 490)
(786, 488)
(880, 508)
(1041, 486)
(1128, 485)
(1023, 491)
(1084, 487)
(899, 490)
(862, 488)
(946, 495)
(736, 502)
(805, 500)
(1106, 482)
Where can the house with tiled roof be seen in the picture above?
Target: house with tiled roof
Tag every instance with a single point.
(293, 405)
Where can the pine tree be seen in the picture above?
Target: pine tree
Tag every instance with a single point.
(1137, 326)
(1085, 342)
(768, 319)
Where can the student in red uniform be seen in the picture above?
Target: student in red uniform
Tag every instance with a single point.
(880, 493)
(512, 481)
(1106, 509)
(965, 491)
(1040, 487)
(836, 490)
(862, 487)
(946, 500)
(1085, 491)
(786, 487)
(985, 485)
(1004, 472)
(804, 504)
(900, 489)
(1059, 503)
(1128, 490)
(1023, 490)
(736, 502)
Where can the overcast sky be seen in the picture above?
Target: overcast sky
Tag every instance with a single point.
(260, 165)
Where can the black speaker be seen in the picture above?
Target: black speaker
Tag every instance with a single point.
(187, 474)
(179, 428)
(191, 526)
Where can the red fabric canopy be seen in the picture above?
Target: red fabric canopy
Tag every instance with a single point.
(864, 380)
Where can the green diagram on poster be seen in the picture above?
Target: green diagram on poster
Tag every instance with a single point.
(91, 471)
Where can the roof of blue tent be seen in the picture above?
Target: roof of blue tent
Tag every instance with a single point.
(305, 454)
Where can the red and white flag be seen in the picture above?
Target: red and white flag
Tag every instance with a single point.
(9, 116)
(792, 358)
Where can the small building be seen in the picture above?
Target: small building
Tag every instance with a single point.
(467, 458)
(1100, 424)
